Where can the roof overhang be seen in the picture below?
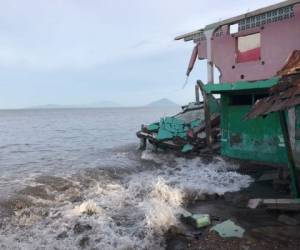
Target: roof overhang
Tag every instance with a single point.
(241, 86)
(236, 19)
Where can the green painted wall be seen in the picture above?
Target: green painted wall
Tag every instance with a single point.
(258, 139)
(297, 142)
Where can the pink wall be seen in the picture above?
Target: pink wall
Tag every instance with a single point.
(278, 40)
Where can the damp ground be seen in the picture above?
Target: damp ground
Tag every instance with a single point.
(263, 230)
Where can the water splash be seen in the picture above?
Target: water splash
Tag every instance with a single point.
(125, 209)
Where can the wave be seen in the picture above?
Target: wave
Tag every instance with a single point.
(115, 208)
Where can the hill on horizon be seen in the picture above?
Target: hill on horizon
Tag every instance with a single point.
(164, 102)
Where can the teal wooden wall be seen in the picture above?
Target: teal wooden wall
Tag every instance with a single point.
(297, 142)
(258, 139)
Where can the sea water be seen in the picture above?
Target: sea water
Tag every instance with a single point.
(60, 168)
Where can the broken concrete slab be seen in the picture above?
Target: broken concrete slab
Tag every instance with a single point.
(254, 203)
(201, 220)
(196, 220)
(228, 229)
(275, 204)
(282, 204)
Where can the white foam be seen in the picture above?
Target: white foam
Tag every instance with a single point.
(149, 155)
(130, 214)
(88, 207)
(162, 205)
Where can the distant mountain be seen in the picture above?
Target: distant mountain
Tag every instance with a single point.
(164, 102)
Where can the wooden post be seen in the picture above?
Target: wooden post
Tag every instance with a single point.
(291, 161)
(207, 115)
(143, 141)
(197, 93)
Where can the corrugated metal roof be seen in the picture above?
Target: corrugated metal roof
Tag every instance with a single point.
(285, 94)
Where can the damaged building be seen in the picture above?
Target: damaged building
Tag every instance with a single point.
(249, 51)
(258, 57)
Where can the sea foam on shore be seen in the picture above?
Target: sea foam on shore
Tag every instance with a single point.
(117, 209)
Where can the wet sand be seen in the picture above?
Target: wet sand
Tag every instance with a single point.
(263, 230)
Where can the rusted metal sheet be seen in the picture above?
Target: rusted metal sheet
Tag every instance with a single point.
(292, 66)
(285, 94)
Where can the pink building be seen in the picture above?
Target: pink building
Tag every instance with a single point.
(249, 50)
(251, 46)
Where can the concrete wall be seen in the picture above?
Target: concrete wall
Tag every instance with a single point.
(278, 40)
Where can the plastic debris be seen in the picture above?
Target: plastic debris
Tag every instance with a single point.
(228, 229)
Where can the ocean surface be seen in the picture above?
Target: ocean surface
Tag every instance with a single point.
(74, 179)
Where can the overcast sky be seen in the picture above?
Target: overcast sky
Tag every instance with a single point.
(88, 51)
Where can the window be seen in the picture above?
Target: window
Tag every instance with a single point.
(248, 48)
(237, 100)
(244, 99)
(234, 28)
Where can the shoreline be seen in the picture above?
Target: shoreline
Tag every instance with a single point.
(263, 228)
(79, 210)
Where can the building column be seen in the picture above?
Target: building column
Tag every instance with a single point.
(210, 66)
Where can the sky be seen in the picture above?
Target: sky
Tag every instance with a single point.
(84, 52)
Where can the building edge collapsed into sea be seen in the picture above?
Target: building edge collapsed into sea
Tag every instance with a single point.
(258, 57)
